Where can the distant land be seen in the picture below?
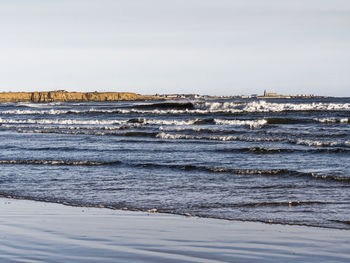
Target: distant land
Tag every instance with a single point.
(266, 95)
(275, 95)
(65, 96)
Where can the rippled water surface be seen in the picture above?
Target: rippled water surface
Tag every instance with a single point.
(282, 161)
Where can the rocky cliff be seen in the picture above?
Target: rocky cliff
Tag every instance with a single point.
(52, 96)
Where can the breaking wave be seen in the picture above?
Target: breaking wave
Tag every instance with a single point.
(333, 120)
(166, 105)
(263, 106)
(58, 162)
(143, 121)
(321, 143)
(62, 121)
(188, 108)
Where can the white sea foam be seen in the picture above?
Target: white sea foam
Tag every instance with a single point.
(32, 112)
(166, 122)
(60, 127)
(250, 123)
(173, 136)
(191, 128)
(63, 121)
(200, 108)
(306, 142)
(322, 143)
(39, 105)
(222, 106)
(263, 106)
(56, 112)
(333, 120)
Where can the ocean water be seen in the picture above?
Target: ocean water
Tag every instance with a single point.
(278, 160)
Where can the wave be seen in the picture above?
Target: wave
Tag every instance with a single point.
(258, 172)
(102, 131)
(188, 108)
(320, 133)
(287, 121)
(162, 122)
(62, 121)
(58, 162)
(37, 105)
(261, 204)
(144, 121)
(92, 132)
(263, 150)
(34, 112)
(59, 127)
(316, 143)
(333, 120)
(249, 123)
(211, 130)
(166, 106)
(183, 167)
(263, 106)
(305, 142)
(173, 136)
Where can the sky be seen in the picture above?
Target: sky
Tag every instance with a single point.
(214, 47)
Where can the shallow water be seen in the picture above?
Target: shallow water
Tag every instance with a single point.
(46, 232)
(281, 161)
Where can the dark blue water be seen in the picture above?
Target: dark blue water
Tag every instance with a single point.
(282, 161)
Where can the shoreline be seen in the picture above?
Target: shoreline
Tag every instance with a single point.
(50, 232)
(159, 211)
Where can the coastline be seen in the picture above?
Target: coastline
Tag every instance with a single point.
(65, 96)
(34, 231)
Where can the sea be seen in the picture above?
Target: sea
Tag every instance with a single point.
(284, 161)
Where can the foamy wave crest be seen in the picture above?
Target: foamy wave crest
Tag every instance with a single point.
(250, 123)
(60, 127)
(32, 112)
(103, 111)
(60, 112)
(197, 129)
(163, 122)
(322, 143)
(223, 106)
(57, 162)
(38, 105)
(333, 120)
(93, 132)
(63, 121)
(263, 106)
(173, 136)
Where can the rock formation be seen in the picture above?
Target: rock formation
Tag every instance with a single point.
(52, 96)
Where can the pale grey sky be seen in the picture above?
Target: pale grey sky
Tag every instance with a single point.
(218, 47)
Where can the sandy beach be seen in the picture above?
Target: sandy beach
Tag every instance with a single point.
(45, 232)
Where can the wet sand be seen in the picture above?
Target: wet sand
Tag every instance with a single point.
(44, 232)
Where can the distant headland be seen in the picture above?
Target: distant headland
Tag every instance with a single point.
(272, 95)
(65, 96)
